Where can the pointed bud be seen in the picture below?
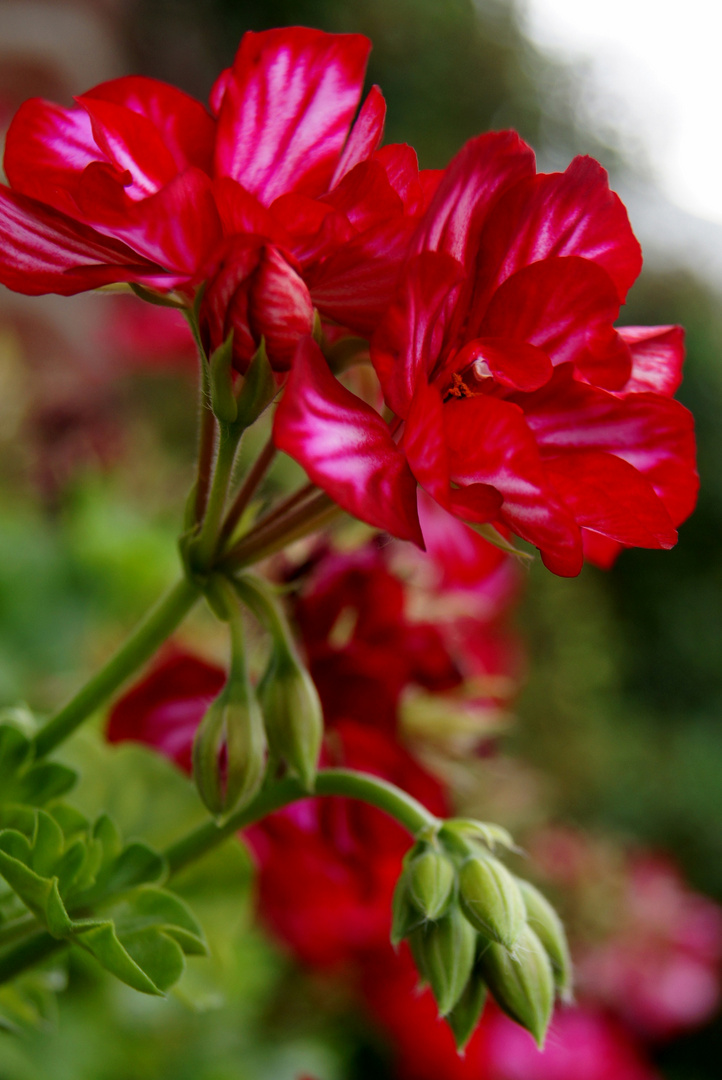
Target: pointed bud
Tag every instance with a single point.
(258, 390)
(223, 401)
(522, 982)
(466, 1014)
(292, 714)
(229, 752)
(486, 832)
(491, 899)
(444, 952)
(431, 882)
(548, 927)
(404, 916)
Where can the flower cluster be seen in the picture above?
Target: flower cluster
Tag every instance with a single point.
(488, 292)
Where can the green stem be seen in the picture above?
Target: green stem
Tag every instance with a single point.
(148, 636)
(346, 782)
(205, 546)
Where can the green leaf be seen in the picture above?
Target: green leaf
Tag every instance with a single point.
(151, 906)
(70, 820)
(15, 750)
(137, 864)
(32, 889)
(102, 941)
(57, 919)
(158, 955)
(43, 782)
(48, 844)
(258, 390)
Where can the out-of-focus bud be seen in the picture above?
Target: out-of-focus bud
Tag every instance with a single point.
(444, 952)
(466, 1014)
(431, 881)
(223, 400)
(292, 714)
(547, 926)
(229, 751)
(491, 899)
(487, 833)
(291, 706)
(522, 982)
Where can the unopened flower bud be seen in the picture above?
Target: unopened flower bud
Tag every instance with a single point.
(229, 751)
(444, 952)
(466, 1014)
(548, 927)
(404, 916)
(431, 882)
(292, 714)
(522, 982)
(485, 832)
(258, 390)
(491, 899)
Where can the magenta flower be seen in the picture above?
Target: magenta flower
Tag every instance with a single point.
(517, 403)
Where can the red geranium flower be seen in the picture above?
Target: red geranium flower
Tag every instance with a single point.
(272, 197)
(516, 401)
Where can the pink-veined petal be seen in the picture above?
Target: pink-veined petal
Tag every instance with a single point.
(653, 433)
(406, 347)
(345, 447)
(177, 227)
(565, 307)
(314, 229)
(608, 495)
(184, 124)
(132, 144)
(46, 149)
(479, 174)
(225, 304)
(242, 213)
(43, 251)
(560, 214)
(489, 443)
(280, 308)
(218, 90)
(657, 357)
(287, 109)
(365, 135)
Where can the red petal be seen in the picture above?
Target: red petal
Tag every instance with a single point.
(609, 496)
(345, 447)
(657, 357)
(241, 212)
(184, 125)
(313, 228)
(565, 307)
(511, 363)
(560, 214)
(132, 144)
(225, 302)
(177, 227)
(407, 345)
(424, 443)
(287, 109)
(401, 166)
(365, 135)
(43, 251)
(280, 308)
(653, 433)
(365, 196)
(353, 287)
(490, 443)
(479, 174)
(46, 149)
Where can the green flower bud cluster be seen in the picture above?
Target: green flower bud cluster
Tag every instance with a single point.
(474, 928)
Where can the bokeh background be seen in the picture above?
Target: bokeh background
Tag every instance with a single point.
(618, 731)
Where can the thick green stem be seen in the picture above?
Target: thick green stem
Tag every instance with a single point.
(148, 636)
(354, 785)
